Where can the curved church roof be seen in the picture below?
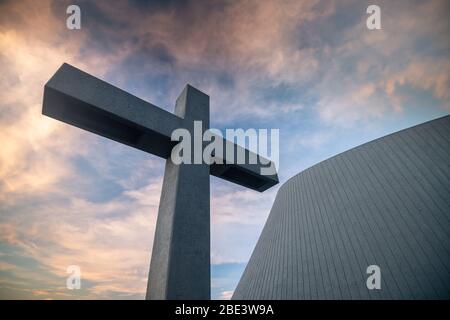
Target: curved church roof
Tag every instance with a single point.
(384, 203)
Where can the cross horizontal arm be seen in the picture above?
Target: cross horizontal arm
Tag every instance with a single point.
(245, 174)
(77, 98)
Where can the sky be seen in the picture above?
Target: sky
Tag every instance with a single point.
(311, 69)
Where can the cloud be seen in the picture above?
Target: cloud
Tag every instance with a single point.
(226, 295)
(365, 71)
(111, 242)
(237, 217)
(423, 73)
(233, 48)
(42, 217)
(34, 148)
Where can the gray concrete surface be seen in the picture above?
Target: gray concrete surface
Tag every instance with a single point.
(384, 203)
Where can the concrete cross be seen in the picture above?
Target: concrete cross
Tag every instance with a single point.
(180, 263)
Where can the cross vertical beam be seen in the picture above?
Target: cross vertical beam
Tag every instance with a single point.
(180, 264)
